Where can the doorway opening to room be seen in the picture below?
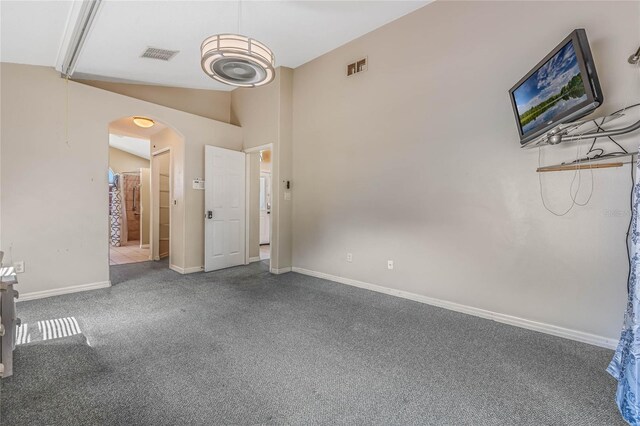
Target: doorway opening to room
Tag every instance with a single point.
(261, 205)
(129, 186)
(141, 191)
(264, 204)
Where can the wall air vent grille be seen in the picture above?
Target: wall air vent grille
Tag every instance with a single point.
(160, 54)
(358, 66)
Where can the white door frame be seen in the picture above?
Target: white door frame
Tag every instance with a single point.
(156, 212)
(274, 199)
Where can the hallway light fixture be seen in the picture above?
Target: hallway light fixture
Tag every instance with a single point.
(143, 122)
(237, 60)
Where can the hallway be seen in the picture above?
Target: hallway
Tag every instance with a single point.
(265, 251)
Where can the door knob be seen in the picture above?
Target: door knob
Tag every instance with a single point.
(209, 214)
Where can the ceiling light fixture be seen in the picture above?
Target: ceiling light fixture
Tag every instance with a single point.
(143, 122)
(237, 60)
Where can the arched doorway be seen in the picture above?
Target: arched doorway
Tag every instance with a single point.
(142, 194)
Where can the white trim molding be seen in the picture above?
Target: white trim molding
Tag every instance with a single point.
(185, 271)
(567, 333)
(254, 259)
(64, 290)
(259, 148)
(281, 270)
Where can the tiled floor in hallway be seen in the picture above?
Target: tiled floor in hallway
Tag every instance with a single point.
(130, 252)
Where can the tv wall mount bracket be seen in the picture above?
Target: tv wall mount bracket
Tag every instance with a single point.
(584, 130)
(575, 131)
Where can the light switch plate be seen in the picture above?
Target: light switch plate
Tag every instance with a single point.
(198, 184)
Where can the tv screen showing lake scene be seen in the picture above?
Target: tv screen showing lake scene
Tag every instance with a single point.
(553, 89)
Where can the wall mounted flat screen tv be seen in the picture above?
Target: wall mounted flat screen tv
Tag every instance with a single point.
(563, 87)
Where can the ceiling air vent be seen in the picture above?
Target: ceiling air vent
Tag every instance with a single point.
(161, 54)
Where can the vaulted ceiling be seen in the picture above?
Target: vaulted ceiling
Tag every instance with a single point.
(32, 32)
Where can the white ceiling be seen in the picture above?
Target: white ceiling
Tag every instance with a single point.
(297, 32)
(31, 32)
(138, 147)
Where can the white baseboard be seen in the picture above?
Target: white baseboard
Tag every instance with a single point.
(281, 270)
(185, 271)
(567, 333)
(254, 259)
(64, 290)
(144, 245)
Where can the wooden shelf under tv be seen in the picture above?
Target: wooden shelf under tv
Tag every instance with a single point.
(587, 163)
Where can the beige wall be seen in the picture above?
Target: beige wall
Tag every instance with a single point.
(256, 111)
(265, 116)
(283, 171)
(122, 161)
(42, 169)
(214, 104)
(417, 160)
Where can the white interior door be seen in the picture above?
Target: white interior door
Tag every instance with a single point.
(265, 208)
(224, 204)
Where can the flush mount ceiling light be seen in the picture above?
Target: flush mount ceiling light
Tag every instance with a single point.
(237, 60)
(143, 122)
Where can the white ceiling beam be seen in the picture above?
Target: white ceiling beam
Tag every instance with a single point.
(79, 23)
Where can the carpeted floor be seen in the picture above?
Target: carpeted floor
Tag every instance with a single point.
(241, 346)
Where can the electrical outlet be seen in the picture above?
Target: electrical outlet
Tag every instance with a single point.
(19, 266)
(389, 264)
(349, 257)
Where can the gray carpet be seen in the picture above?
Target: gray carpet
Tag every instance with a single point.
(241, 346)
